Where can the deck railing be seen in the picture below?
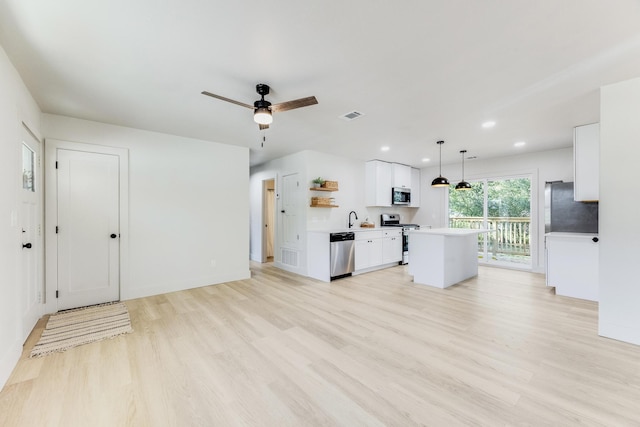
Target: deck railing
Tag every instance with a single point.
(509, 235)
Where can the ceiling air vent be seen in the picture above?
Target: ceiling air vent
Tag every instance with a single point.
(352, 115)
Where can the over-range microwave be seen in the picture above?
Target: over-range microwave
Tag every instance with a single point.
(400, 196)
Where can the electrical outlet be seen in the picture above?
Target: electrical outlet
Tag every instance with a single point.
(213, 263)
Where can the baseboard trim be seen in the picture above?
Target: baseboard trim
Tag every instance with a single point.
(181, 286)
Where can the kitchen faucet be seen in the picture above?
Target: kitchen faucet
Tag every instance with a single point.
(352, 212)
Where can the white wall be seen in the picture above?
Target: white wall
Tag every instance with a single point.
(188, 206)
(16, 106)
(551, 165)
(619, 206)
(275, 169)
(350, 175)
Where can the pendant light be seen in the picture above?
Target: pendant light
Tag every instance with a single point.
(463, 185)
(440, 181)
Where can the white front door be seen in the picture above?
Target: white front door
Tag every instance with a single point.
(88, 228)
(31, 289)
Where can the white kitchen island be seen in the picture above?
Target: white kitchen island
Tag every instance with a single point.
(442, 257)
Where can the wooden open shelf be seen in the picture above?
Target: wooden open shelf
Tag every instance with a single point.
(324, 206)
(322, 189)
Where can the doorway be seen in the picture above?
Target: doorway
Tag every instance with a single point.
(503, 206)
(268, 210)
(86, 223)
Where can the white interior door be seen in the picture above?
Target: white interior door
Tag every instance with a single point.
(31, 283)
(88, 228)
(290, 229)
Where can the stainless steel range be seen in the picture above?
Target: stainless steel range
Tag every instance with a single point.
(393, 220)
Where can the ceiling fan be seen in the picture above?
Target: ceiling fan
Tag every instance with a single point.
(263, 109)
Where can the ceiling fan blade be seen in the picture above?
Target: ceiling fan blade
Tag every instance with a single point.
(297, 103)
(213, 95)
(263, 127)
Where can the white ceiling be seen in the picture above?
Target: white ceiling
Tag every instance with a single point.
(420, 70)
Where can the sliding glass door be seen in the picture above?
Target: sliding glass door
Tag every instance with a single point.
(503, 206)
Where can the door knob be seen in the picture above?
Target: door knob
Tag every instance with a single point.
(595, 239)
(26, 245)
(113, 235)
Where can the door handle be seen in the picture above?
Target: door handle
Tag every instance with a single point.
(26, 245)
(595, 240)
(113, 235)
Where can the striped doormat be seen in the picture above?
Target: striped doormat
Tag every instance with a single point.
(80, 326)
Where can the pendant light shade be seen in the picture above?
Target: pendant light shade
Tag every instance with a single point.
(440, 181)
(463, 185)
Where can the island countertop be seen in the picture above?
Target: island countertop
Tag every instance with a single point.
(442, 257)
(450, 231)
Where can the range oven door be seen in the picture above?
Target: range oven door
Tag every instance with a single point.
(405, 247)
(405, 243)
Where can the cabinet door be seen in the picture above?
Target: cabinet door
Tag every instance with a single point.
(362, 255)
(572, 267)
(368, 253)
(415, 188)
(401, 175)
(391, 249)
(377, 183)
(586, 163)
(375, 252)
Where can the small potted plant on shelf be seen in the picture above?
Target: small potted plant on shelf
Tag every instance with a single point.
(317, 182)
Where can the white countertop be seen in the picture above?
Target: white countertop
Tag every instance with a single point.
(450, 231)
(354, 229)
(567, 234)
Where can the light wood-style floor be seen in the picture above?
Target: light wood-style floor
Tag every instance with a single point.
(371, 350)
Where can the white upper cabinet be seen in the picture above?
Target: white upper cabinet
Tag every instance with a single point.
(586, 163)
(401, 175)
(415, 188)
(377, 183)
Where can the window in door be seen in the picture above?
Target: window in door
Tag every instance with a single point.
(28, 168)
(503, 206)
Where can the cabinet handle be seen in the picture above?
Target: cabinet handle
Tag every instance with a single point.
(595, 240)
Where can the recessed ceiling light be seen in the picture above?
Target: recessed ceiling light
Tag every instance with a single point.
(384, 148)
(488, 124)
(426, 159)
(519, 144)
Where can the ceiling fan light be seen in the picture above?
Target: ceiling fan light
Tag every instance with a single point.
(262, 115)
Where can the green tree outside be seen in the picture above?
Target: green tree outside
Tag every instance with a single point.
(505, 198)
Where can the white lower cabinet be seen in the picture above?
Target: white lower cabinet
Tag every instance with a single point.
(572, 264)
(391, 246)
(368, 248)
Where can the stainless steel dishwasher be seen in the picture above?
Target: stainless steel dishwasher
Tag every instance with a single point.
(342, 252)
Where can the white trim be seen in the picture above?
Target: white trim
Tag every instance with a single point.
(51, 216)
(128, 293)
